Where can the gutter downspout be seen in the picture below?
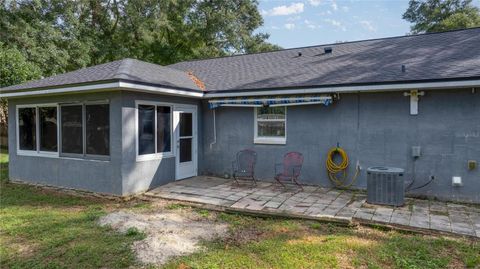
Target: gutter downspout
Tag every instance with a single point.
(214, 130)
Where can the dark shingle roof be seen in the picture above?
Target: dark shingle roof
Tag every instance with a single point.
(447, 55)
(427, 57)
(126, 69)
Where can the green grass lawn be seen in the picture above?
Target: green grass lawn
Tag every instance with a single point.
(280, 243)
(47, 229)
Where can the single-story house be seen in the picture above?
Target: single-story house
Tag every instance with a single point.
(128, 126)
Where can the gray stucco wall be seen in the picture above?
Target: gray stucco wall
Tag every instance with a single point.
(83, 174)
(143, 175)
(122, 174)
(374, 129)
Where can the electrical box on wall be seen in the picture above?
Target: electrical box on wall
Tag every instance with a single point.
(416, 151)
(457, 181)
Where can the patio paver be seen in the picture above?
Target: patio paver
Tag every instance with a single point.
(323, 204)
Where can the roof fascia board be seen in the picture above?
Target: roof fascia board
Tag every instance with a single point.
(156, 89)
(103, 86)
(347, 89)
(163, 90)
(62, 90)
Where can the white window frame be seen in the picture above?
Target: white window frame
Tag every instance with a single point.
(37, 151)
(272, 140)
(156, 155)
(84, 155)
(58, 154)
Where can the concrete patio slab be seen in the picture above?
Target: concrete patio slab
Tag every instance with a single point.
(323, 204)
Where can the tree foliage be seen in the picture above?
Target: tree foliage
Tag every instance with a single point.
(14, 69)
(48, 37)
(64, 35)
(441, 15)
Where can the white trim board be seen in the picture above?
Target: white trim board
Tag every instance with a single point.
(106, 86)
(63, 90)
(169, 91)
(349, 89)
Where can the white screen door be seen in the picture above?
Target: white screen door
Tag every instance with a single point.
(185, 118)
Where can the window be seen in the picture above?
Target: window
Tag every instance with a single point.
(97, 133)
(48, 128)
(72, 129)
(270, 125)
(154, 129)
(37, 129)
(163, 129)
(146, 126)
(27, 128)
(85, 129)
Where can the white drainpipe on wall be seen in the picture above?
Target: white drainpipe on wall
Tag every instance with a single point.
(214, 130)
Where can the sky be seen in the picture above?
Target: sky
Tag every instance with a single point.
(299, 23)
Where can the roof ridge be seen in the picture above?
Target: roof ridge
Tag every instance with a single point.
(328, 44)
(123, 68)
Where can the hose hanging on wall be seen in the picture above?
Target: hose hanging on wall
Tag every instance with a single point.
(334, 168)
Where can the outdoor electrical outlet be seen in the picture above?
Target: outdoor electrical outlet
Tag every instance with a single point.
(472, 164)
(457, 181)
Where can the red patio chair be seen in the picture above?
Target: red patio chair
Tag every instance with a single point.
(244, 165)
(290, 168)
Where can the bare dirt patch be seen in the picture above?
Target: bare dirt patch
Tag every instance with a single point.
(168, 233)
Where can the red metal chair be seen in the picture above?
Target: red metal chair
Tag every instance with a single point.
(244, 165)
(290, 168)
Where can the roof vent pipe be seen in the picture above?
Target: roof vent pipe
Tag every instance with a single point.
(328, 50)
(299, 53)
(404, 68)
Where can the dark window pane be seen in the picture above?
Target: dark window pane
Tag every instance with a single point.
(146, 126)
(97, 129)
(27, 128)
(48, 128)
(72, 133)
(185, 150)
(186, 124)
(271, 128)
(163, 129)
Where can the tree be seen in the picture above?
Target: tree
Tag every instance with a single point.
(64, 35)
(441, 15)
(14, 69)
(48, 37)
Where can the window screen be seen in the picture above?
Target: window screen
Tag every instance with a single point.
(27, 128)
(146, 126)
(164, 123)
(271, 122)
(48, 128)
(72, 129)
(97, 124)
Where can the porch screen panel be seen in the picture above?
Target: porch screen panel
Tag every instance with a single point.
(72, 129)
(164, 123)
(97, 124)
(27, 128)
(146, 128)
(48, 128)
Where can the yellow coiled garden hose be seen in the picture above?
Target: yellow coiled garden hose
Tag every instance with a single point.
(334, 168)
